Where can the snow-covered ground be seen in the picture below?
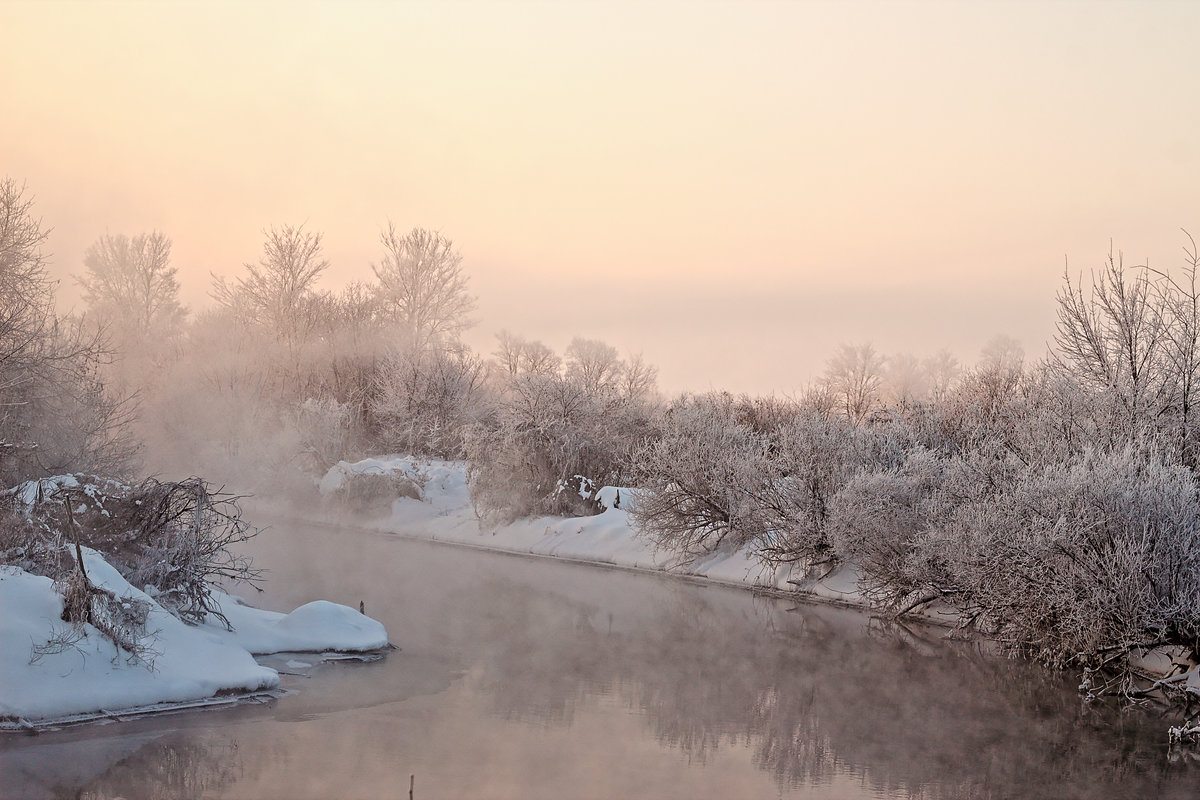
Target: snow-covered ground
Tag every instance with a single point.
(86, 673)
(444, 513)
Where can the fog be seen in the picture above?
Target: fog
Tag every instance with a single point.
(658, 170)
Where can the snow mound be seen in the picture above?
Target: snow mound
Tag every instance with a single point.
(314, 627)
(86, 672)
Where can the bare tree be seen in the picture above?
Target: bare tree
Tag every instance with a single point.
(1113, 340)
(942, 370)
(854, 376)
(26, 294)
(905, 379)
(55, 412)
(422, 285)
(639, 380)
(1179, 299)
(594, 365)
(515, 355)
(508, 351)
(130, 283)
(277, 289)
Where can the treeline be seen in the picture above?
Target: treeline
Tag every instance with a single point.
(1053, 503)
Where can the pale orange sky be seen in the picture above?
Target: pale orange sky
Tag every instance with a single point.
(731, 188)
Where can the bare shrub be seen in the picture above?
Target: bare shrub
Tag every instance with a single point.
(175, 537)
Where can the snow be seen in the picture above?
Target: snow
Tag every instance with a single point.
(188, 663)
(313, 627)
(445, 514)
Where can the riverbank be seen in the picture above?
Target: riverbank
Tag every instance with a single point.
(430, 500)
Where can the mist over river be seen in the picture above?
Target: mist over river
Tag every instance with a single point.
(530, 678)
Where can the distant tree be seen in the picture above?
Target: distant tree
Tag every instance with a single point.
(854, 376)
(515, 355)
(130, 284)
(277, 290)
(1002, 352)
(905, 378)
(596, 366)
(422, 286)
(507, 355)
(639, 380)
(942, 370)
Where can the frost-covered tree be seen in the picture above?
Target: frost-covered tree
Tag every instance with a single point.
(130, 285)
(854, 376)
(595, 365)
(1112, 340)
(1180, 300)
(55, 412)
(905, 379)
(553, 436)
(422, 286)
(515, 355)
(942, 370)
(278, 290)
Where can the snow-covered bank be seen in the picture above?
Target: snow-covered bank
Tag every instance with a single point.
(50, 670)
(443, 512)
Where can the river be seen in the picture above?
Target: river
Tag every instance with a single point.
(522, 678)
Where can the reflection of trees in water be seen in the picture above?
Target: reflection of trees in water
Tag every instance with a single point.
(813, 693)
(183, 769)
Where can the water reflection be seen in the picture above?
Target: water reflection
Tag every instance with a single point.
(815, 692)
(522, 679)
(172, 770)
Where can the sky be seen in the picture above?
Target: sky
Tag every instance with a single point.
(731, 189)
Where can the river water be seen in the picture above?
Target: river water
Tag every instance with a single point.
(522, 678)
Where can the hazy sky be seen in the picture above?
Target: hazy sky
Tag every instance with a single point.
(730, 188)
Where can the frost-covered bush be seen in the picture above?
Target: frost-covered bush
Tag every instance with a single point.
(697, 478)
(545, 431)
(1065, 561)
(1101, 552)
(736, 473)
(878, 515)
(809, 459)
(426, 397)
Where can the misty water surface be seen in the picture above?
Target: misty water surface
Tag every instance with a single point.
(521, 678)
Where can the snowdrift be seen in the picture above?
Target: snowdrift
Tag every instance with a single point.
(49, 671)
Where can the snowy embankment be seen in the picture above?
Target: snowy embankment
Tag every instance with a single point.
(51, 671)
(442, 511)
